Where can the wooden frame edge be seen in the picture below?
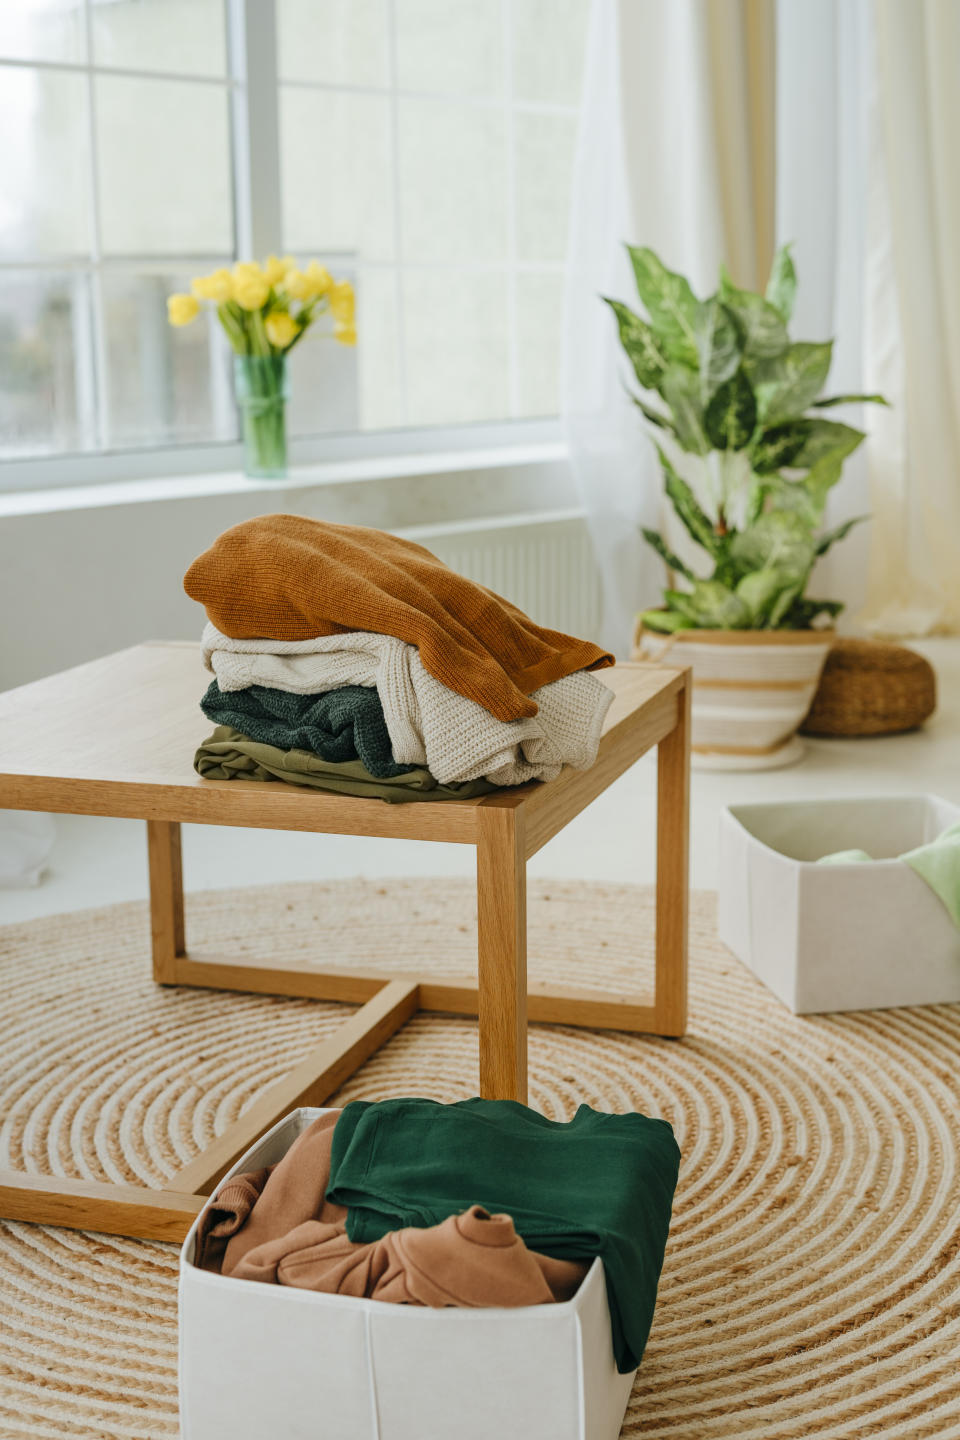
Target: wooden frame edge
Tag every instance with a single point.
(321, 1072)
(131, 1210)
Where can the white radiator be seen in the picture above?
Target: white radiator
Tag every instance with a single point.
(543, 562)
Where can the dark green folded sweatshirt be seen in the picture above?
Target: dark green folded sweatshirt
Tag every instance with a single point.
(595, 1185)
(345, 724)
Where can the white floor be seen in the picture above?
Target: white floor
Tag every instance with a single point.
(97, 861)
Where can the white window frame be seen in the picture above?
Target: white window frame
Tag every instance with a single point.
(253, 85)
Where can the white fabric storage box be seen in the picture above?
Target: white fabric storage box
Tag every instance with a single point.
(838, 937)
(261, 1360)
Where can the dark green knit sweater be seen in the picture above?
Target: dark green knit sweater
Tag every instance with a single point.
(339, 725)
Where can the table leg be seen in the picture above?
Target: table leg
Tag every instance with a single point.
(673, 840)
(502, 953)
(166, 898)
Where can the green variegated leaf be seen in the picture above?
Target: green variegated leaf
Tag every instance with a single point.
(804, 612)
(665, 622)
(681, 603)
(762, 325)
(779, 446)
(669, 302)
(640, 344)
(760, 590)
(819, 481)
(787, 384)
(756, 501)
(710, 605)
(782, 285)
(839, 532)
(793, 497)
(681, 390)
(685, 504)
(654, 416)
(733, 485)
(829, 400)
(784, 603)
(671, 560)
(779, 540)
(824, 438)
(719, 345)
(823, 455)
(731, 416)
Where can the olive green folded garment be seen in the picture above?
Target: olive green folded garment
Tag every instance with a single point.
(598, 1184)
(229, 755)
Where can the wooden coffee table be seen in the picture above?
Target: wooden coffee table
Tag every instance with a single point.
(117, 737)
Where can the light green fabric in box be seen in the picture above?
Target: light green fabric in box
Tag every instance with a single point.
(937, 863)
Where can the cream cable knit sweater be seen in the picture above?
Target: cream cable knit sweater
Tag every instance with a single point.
(428, 723)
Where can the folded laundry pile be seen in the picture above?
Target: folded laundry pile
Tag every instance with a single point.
(481, 1203)
(433, 674)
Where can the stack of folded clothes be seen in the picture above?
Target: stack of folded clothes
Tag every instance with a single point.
(349, 659)
(481, 1203)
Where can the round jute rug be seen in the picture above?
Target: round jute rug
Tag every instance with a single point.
(812, 1281)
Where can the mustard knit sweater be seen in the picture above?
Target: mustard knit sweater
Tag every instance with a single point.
(285, 577)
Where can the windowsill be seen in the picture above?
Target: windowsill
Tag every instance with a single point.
(301, 477)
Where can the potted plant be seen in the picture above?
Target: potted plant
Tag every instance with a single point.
(737, 406)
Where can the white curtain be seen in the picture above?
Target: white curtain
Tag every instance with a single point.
(679, 150)
(861, 195)
(915, 563)
(832, 207)
(664, 86)
(608, 451)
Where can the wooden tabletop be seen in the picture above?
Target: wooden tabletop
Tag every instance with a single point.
(117, 736)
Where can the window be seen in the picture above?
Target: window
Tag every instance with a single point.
(117, 185)
(424, 147)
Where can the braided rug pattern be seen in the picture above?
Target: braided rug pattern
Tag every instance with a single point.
(812, 1282)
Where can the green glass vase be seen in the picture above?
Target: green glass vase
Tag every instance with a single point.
(262, 390)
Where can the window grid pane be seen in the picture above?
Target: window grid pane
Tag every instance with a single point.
(180, 37)
(45, 209)
(104, 369)
(163, 387)
(46, 392)
(460, 287)
(156, 140)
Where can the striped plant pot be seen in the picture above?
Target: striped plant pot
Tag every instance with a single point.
(751, 690)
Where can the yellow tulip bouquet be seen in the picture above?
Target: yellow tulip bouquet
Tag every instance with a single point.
(265, 310)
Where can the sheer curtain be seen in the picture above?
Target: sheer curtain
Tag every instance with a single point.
(915, 563)
(673, 153)
(712, 128)
(864, 193)
(608, 452)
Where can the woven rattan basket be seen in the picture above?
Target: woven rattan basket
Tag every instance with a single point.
(870, 688)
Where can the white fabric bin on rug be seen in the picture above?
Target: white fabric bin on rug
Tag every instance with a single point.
(259, 1360)
(838, 937)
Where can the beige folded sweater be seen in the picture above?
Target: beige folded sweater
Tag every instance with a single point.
(429, 724)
